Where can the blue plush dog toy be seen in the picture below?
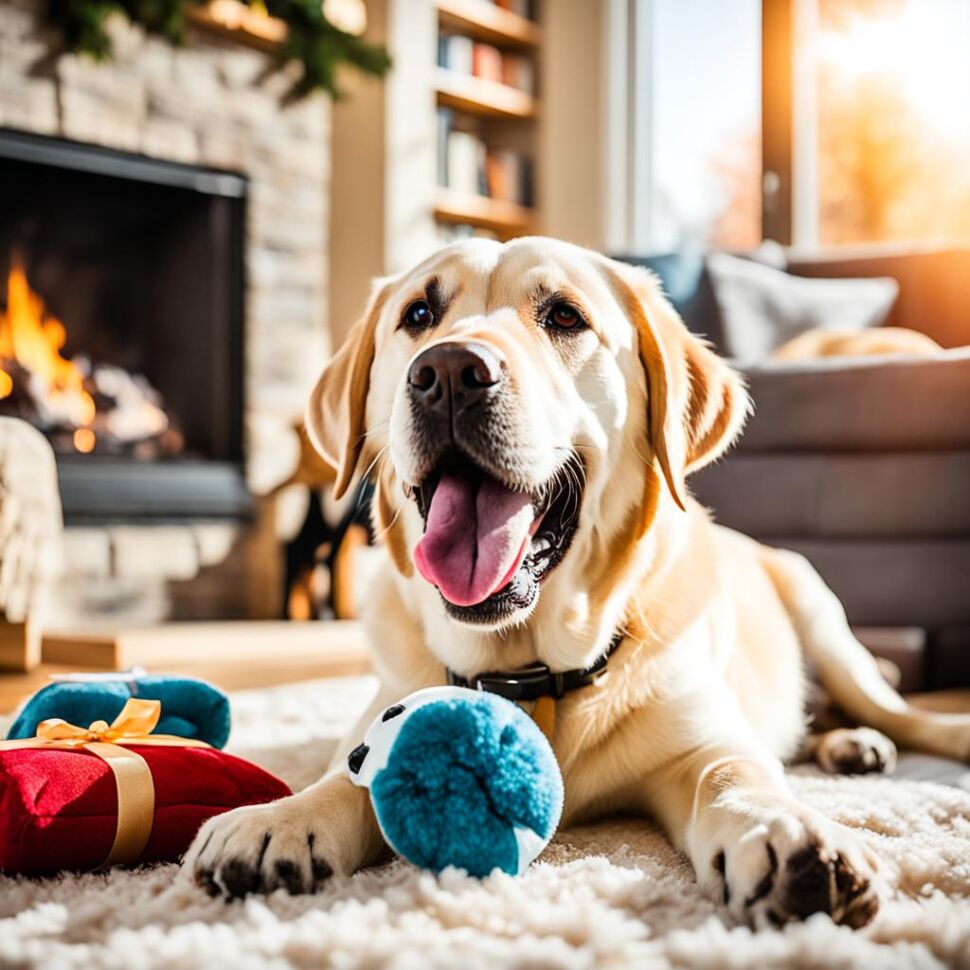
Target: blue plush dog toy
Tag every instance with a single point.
(460, 778)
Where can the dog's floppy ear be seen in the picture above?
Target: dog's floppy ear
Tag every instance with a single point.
(336, 412)
(696, 403)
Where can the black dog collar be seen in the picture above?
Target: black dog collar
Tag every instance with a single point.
(531, 683)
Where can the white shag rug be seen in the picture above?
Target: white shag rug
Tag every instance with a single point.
(610, 895)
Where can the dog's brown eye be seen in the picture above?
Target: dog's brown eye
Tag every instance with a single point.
(562, 316)
(418, 316)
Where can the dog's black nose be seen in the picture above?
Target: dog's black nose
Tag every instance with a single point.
(453, 376)
(356, 757)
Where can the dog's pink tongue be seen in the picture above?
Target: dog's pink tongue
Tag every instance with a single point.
(476, 537)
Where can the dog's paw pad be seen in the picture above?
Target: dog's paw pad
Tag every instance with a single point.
(239, 878)
(289, 876)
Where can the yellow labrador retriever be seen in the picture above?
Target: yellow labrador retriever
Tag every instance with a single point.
(529, 413)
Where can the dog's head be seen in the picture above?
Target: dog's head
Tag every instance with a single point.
(528, 410)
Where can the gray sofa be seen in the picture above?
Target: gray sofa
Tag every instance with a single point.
(863, 464)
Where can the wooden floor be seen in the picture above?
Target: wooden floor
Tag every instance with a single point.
(233, 656)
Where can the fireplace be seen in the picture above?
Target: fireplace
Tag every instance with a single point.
(121, 326)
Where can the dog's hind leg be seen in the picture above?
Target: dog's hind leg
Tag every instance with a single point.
(849, 672)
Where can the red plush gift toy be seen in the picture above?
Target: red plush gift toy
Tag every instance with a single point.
(82, 798)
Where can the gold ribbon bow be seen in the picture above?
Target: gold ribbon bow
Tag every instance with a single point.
(133, 778)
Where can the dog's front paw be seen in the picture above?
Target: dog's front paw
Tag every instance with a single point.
(294, 844)
(794, 865)
(259, 849)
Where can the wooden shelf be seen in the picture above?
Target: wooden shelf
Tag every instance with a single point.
(477, 96)
(506, 219)
(238, 22)
(234, 655)
(185, 645)
(486, 22)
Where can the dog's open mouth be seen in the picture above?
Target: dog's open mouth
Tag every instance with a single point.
(487, 546)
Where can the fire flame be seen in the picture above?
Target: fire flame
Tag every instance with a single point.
(32, 339)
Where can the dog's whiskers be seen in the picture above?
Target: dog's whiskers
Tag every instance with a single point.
(646, 461)
(380, 455)
(378, 428)
(382, 458)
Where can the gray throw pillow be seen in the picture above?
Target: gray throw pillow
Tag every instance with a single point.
(762, 307)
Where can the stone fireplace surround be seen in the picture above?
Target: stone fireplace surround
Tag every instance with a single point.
(216, 103)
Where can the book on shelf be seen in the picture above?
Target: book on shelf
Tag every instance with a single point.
(446, 119)
(456, 53)
(519, 72)
(487, 63)
(465, 56)
(521, 7)
(465, 163)
(508, 177)
(468, 166)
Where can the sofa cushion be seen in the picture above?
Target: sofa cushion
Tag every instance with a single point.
(880, 583)
(934, 284)
(762, 307)
(687, 285)
(840, 495)
(861, 404)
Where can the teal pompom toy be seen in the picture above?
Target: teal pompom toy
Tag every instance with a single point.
(460, 778)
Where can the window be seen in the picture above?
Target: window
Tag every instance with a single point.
(865, 136)
(893, 97)
(706, 104)
(685, 110)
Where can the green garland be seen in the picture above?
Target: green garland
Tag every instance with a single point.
(312, 40)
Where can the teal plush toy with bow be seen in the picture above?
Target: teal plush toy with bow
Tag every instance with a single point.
(190, 708)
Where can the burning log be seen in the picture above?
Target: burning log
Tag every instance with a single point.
(82, 406)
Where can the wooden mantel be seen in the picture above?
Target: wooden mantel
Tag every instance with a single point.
(239, 22)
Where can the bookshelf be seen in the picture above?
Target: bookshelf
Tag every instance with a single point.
(504, 117)
(392, 200)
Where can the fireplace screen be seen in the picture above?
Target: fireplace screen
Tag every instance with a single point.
(121, 325)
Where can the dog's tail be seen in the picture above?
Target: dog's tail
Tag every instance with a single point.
(849, 672)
